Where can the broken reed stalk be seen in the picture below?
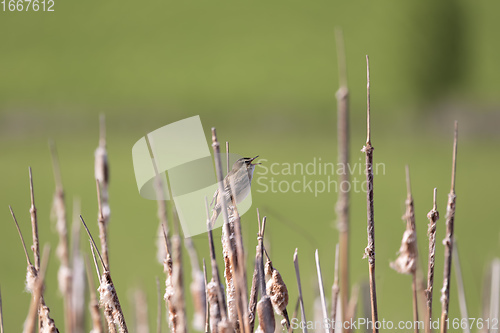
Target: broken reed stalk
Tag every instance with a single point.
(95, 314)
(322, 292)
(433, 216)
(30, 323)
(64, 275)
(461, 290)
(44, 320)
(342, 206)
(335, 289)
(448, 241)
(301, 299)
(370, 249)
(230, 255)
(107, 292)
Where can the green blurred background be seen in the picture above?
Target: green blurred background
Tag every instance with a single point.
(265, 74)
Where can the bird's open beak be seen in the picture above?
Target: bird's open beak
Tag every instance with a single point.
(253, 160)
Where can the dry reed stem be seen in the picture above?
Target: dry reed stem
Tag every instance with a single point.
(107, 293)
(95, 314)
(34, 224)
(101, 169)
(342, 206)
(321, 291)
(254, 291)
(37, 304)
(433, 216)
(214, 308)
(301, 299)
(207, 310)
(197, 287)
(370, 249)
(228, 242)
(64, 274)
(177, 299)
(31, 284)
(217, 301)
(241, 275)
(162, 217)
(103, 228)
(335, 289)
(461, 290)
(448, 241)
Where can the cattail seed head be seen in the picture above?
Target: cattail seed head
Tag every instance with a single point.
(276, 289)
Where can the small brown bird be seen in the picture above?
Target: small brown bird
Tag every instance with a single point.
(236, 183)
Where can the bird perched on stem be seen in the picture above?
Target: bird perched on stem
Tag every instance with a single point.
(236, 185)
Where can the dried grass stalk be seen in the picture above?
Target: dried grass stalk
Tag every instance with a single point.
(108, 296)
(433, 216)
(299, 286)
(370, 249)
(448, 241)
(321, 292)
